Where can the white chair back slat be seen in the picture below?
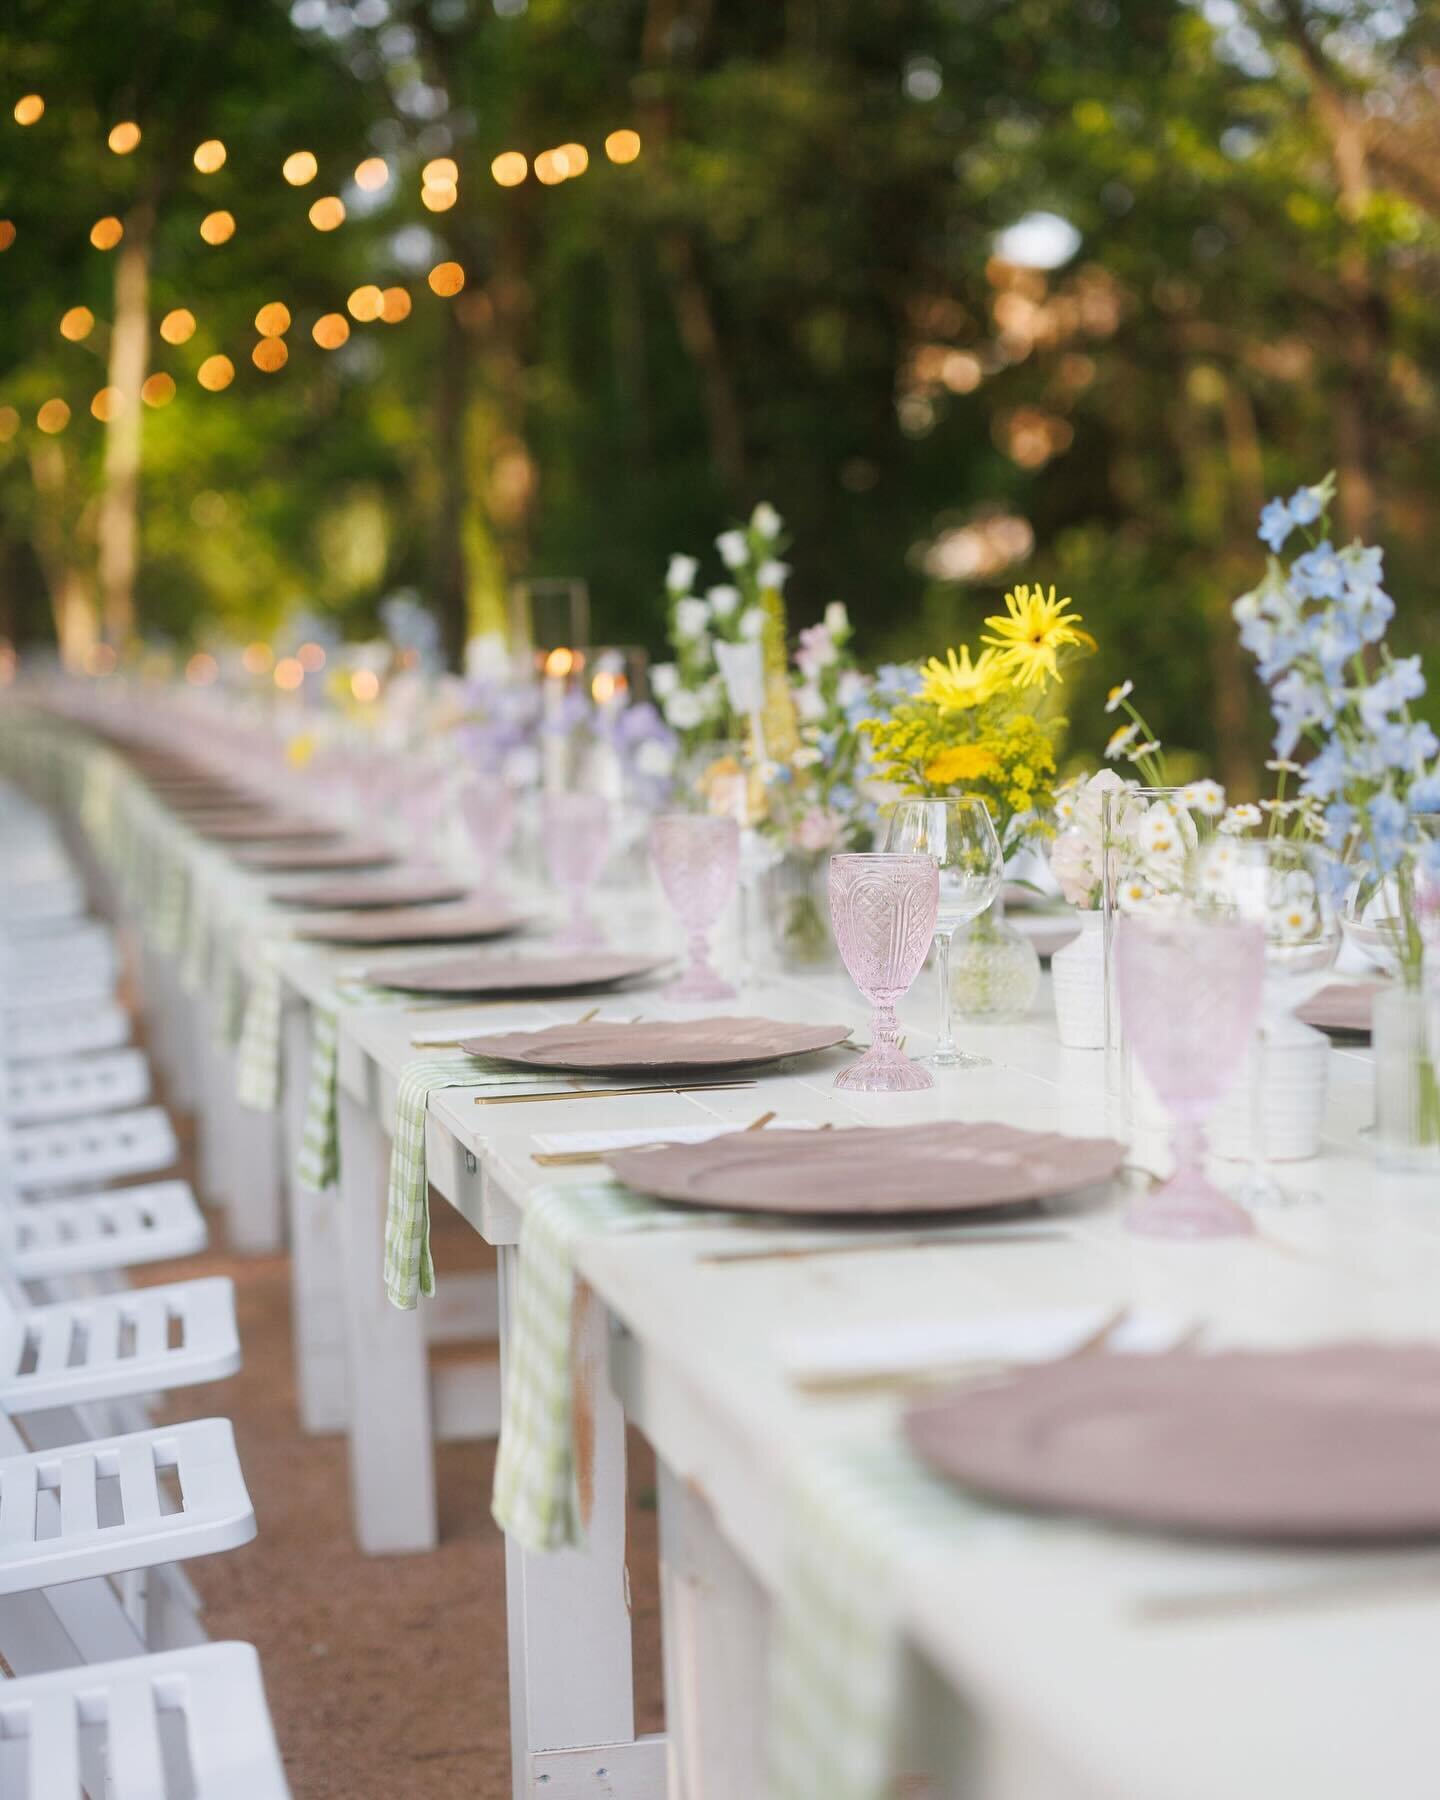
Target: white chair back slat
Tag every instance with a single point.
(71, 1028)
(96, 1147)
(62, 1086)
(136, 1762)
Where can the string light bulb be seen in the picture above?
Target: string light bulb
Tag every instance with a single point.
(109, 403)
(273, 319)
(394, 305)
(365, 304)
(210, 156)
(576, 159)
(438, 199)
(372, 174)
(269, 355)
(299, 167)
(215, 373)
(158, 389)
(445, 279)
(328, 213)
(53, 417)
(331, 330)
(623, 146)
(548, 170)
(509, 168)
(178, 327)
(106, 233)
(29, 109)
(440, 171)
(289, 674)
(124, 137)
(78, 323)
(9, 423)
(7, 233)
(217, 227)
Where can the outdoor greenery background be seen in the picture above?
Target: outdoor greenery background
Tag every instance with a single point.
(793, 294)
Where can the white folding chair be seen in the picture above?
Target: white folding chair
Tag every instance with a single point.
(69, 1028)
(60, 987)
(98, 1147)
(79, 943)
(186, 1725)
(59, 1087)
(45, 900)
(95, 1234)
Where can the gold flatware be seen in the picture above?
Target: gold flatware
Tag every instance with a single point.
(616, 1093)
(574, 1159)
(969, 1235)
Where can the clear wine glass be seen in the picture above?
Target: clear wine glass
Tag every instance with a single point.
(1189, 987)
(960, 836)
(884, 909)
(1289, 889)
(697, 857)
(577, 846)
(487, 811)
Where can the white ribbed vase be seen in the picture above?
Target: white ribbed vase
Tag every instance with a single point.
(1077, 975)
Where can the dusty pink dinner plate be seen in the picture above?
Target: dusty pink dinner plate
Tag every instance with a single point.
(945, 1167)
(1344, 1009)
(1338, 1444)
(367, 892)
(261, 828)
(411, 925)
(601, 1045)
(280, 859)
(579, 973)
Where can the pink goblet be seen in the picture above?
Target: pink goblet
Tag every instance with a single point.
(884, 909)
(577, 844)
(487, 808)
(697, 858)
(1189, 991)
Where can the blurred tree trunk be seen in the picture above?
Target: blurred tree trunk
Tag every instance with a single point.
(447, 550)
(72, 603)
(117, 529)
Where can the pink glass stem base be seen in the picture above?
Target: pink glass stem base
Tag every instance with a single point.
(581, 932)
(884, 1068)
(700, 981)
(1188, 1206)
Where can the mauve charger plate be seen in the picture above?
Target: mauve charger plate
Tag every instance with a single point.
(261, 828)
(658, 1044)
(1333, 1445)
(1344, 1009)
(411, 925)
(945, 1167)
(279, 859)
(366, 893)
(470, 975)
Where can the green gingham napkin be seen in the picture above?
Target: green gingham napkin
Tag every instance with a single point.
(317, 1167)
(854, 1517)
(409, 1271)
(258, 1079)
(534, 1499)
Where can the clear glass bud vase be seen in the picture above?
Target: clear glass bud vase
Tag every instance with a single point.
(1406, 1041)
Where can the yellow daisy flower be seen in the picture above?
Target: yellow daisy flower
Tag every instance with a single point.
(1031, 632)
(957, 684)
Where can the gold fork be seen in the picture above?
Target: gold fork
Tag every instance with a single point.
(571, 1159)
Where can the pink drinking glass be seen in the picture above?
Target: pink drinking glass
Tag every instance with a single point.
(577, 844)
(697, 858)
(487, 808)
(884, 910)
(1189, 990)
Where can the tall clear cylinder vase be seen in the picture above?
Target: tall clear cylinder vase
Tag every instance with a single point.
(1406, 1041)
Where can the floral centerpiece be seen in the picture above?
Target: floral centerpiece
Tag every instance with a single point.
(983, 726)
(1317, 624)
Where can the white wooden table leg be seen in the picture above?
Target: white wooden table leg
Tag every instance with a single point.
(212, 1114)
(255, 1201)
(716, 1628)
(572, 1702)
(315, 1286)
(392, 1464)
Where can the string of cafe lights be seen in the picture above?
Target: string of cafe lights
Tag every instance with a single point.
(367, 304)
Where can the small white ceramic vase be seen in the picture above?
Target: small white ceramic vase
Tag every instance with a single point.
(1077, 974)
(1295, 1070)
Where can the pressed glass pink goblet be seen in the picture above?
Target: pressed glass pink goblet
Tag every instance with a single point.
(884, 910)
(697, 858)
(487, 808)
(577, 843)
(1189, 990)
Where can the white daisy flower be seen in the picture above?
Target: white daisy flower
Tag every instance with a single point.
(765, 520)
(1139, 750)
(1243, 817)
(684, 710)
(752, 622)
(1207, 797)
(1121, 740)
(664, 680)
(691, 618)
(681, 573)
(773, 574)
(1118, 694)
(723, 600)
(734, 551)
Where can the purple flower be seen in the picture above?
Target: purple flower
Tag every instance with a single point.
(1275, 525)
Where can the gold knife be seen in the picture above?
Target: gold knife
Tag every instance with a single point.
(667, 1087)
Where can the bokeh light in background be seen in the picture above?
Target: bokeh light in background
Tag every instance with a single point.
(215, 373)
(78, 323)
(327, 213)
(217, 227)
(29, 109)
(210, 156)
(394, 305)
(446, 278)
(270, 355)
(365, 685)
(9, 423)
(331, 330)
(365, 304)
(257, 659)
(372, 174)
(299, 167)
(109, 403)
(273, 319)
(124, 137)
(311, 657)
(53, 416)
(7, 233)
(158, 389)
(509, 168)
(178, 327)
(202, 669)
(289, 673)
(623, 146)
(106, 233)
